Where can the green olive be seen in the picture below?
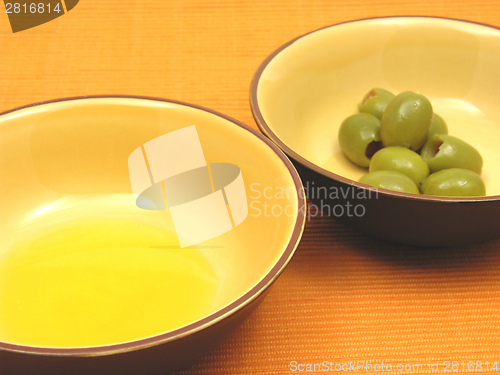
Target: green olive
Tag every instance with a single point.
(375, 102)
(402, 160)
(438, 126)
(390, 180)
(359, 138)
(406, 121)
(454, 182)
(444, 151)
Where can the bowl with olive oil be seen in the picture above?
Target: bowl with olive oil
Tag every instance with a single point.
(92, 279)
(352, 104)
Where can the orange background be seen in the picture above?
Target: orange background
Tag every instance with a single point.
(344, 297)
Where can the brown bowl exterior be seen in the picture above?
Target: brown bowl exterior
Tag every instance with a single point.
(406, 220)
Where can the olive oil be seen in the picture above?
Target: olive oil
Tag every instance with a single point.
(79, 276)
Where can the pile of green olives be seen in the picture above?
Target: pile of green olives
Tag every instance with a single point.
(406, 147)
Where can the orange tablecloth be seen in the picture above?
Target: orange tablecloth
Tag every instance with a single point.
(344, 297)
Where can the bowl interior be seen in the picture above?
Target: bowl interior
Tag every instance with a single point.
(81, 265)
(309, 87)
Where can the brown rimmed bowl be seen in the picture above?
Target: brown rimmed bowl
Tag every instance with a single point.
(77, 149)
(304, 90)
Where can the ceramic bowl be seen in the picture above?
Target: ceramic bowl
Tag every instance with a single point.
(304, 90)
(94, 282)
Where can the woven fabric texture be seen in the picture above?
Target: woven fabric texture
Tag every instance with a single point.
(344, 297)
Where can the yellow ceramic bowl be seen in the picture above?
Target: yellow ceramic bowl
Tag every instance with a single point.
(92, 284)
(304, 90)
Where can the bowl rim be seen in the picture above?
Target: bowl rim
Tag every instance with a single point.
(215, 317)
(266, 129)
